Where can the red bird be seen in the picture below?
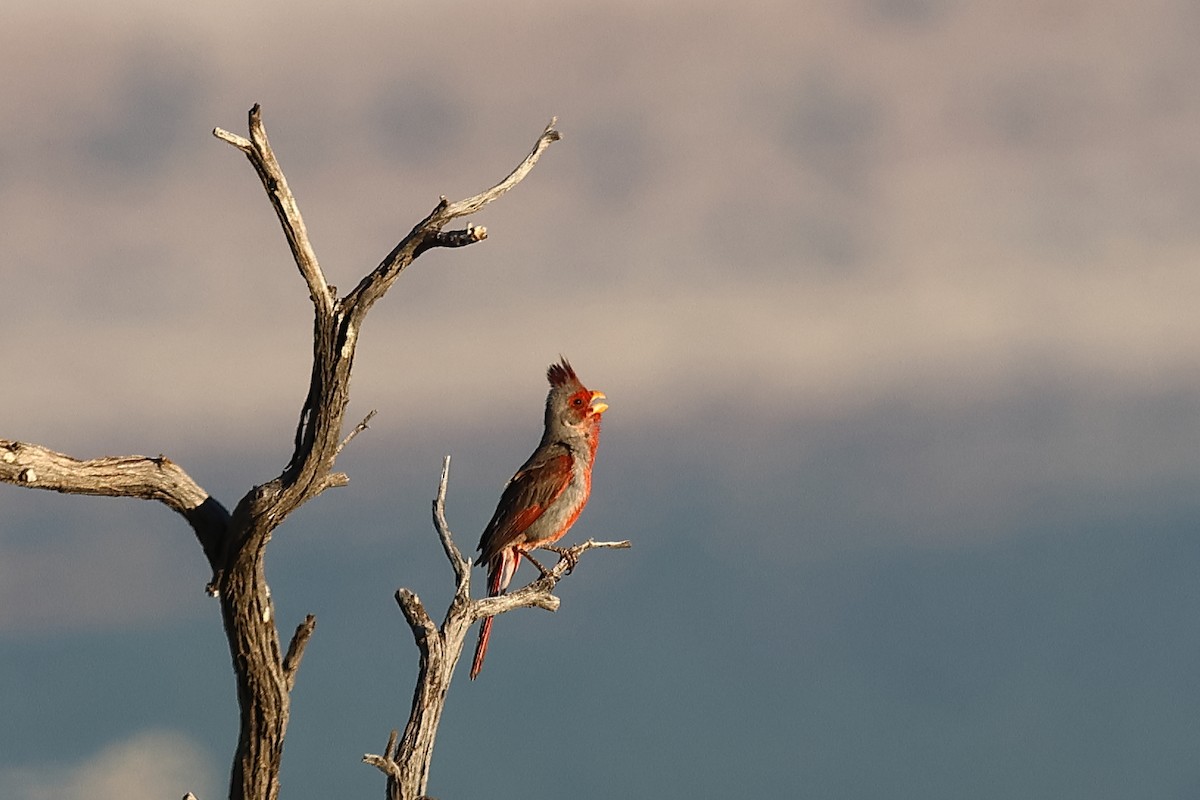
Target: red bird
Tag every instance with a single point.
(543, 499)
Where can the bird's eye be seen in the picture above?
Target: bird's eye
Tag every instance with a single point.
(578, 401)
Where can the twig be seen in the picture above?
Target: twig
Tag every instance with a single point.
(461, 566)
(295, 651)
(258, 149)
(473, 204)
(457, 238)
(428, 232)
(415, 614)
(539, 593)
(386, 763)
(359, 428)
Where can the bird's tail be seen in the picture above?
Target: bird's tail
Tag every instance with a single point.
(500, 572)
(485, 633)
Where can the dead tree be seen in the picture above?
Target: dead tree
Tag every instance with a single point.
(235, 542)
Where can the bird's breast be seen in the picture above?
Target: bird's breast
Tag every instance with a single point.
(561, 514)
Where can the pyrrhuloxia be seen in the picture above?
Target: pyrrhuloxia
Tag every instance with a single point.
(543, 499)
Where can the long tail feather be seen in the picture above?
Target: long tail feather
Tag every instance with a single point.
(485, 633)
(500, 572)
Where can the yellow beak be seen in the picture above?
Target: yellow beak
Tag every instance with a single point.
(597, 407)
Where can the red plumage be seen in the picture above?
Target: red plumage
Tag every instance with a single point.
(543, 499)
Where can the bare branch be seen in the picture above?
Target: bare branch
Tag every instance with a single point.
(428, 233)
(461, 566)
(459, 238)
(359, 428)
(142, 477)
(473, 204)
(335, 480)
(258, 149)
(532, 595)
(539, 593)
(125, 476)
(389, 766)
(385, 763)
(416, 615)
(318, 439)
(241, 143)
(295, 651)
(390, 750)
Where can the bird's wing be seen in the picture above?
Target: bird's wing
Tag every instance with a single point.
(530, 492)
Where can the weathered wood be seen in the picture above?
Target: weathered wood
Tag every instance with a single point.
(235, 543)
(160, 479)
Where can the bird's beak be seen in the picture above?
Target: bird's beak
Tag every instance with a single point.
(598, 406)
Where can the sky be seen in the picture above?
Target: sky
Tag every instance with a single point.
(893, 302)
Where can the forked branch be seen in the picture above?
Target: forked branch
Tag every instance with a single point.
(253, 637)
(406, 762)
(428, 232)
(337, 323)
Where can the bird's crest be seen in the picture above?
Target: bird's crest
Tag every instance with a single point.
(561, 374)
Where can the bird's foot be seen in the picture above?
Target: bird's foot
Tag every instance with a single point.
(545, 572)
(565, 554)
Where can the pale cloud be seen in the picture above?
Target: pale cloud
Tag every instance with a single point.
(151, 765)
(832, 229)
(744, 211)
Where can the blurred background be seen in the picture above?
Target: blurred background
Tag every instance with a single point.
(894, 302)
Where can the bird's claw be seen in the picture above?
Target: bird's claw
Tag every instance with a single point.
(565, 554)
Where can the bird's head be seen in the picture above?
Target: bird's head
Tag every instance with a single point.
(571, 406)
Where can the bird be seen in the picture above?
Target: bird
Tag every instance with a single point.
(542, 500)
